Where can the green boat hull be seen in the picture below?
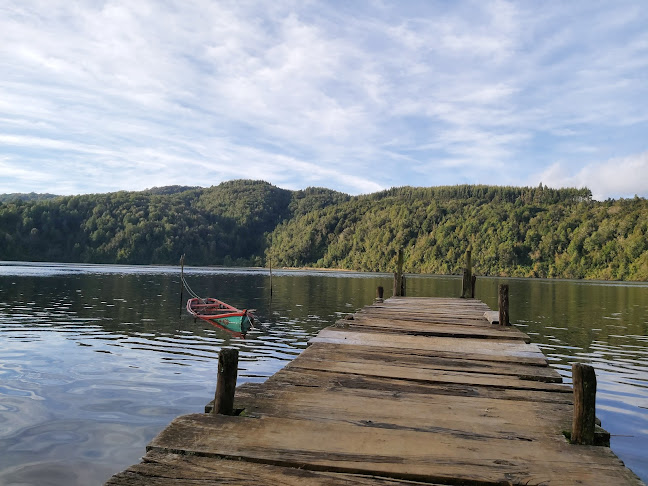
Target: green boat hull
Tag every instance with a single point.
(238, 324)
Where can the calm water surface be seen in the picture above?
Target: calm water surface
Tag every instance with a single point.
(95, 360)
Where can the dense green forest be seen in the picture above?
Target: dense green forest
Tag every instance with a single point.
(514, 231)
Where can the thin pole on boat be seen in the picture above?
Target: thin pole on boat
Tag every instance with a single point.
(182, 258)
(271, 276)
(270, 261)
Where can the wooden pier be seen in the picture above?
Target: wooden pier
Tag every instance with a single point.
(409, 391)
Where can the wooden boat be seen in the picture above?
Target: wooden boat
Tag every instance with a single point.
(221, 315)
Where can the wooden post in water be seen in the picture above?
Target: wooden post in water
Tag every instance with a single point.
(583, 423)
(270, 277)
(380, 292)
(467, 290)
(503, 303)
(182, 258)
(398, 276)
(226, 384)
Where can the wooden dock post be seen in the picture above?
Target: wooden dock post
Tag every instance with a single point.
(468, 281)
(226, 384)
(584, 421)
(380, 293)
(182, 260)
(399, 280)
(503, 302)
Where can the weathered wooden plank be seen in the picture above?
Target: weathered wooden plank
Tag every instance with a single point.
(427, 305)
(506, 351)
(168, 469)
(430, 303)
(432, 328)
(393, 387)
(434, 302)
(422, 312)
(363, 449)
(427, 375)
(348, 353)
(459, 415)
(473, 321)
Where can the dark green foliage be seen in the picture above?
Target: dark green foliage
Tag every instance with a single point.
(31, 196)
(512, 230)
(169, 189)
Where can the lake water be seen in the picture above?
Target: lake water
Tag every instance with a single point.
(96, 359)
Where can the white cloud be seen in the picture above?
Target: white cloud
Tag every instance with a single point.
(616, 177)
(306, 93)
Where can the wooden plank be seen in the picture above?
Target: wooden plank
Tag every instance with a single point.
(347, 353)
(427, 375)
(476, 321)
(503, 351)
(492, 317)
(309, 379)
(423, 313)
(168, 469)
(460, 415)
(432, 328)
(395, 453)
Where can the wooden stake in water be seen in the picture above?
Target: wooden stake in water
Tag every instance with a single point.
(226, 382)
(467, 290)
(398, 275)
(380, 292)
(584, 420)
(503, 304)
(182, 258)
(270, 259)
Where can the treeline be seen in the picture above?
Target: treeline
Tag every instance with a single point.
(512, 231)
(537, 232)
(223, 225)
(22, 196)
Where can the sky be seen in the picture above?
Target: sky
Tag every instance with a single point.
(99, 96)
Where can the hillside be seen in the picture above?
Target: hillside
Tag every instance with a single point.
(513, 231)
(21, 196)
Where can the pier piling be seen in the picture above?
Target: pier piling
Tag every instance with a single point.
(399, 279)
(584, 421)
(468, 280)
(226, 384)
(380, 293)
(503, 303)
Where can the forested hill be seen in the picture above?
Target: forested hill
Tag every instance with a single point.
(512, 231)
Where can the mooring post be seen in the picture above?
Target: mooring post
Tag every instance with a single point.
(473, 285)
(182, 258)
(398, 275)
(467, 281)
(380, 292)
(584, 421)
(503, 302)
(226, 384)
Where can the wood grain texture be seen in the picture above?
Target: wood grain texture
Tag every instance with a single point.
(168, 469)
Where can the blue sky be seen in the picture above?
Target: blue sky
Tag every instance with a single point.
(99, 96)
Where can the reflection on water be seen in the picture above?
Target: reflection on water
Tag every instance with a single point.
(95, 360)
